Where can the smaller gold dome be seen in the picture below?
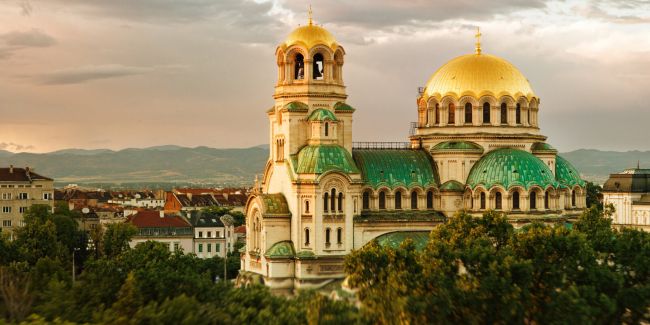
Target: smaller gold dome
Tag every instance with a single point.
(478, 75)
(310, 36)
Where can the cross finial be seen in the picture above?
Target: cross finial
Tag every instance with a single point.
(310, 13)
(478, 40)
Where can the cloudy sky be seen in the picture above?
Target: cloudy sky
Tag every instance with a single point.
(123, 73)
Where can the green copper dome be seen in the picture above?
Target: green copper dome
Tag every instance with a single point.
(395, 239)
(282, 249)
(391, 167)
(319, 159)
(296, 107)
(510, 167)
(452, 186)
(457, 146)
(321, 114)
(340, 106)
(566, 174)
(542, 147)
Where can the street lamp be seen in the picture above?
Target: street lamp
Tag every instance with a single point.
(227, 221)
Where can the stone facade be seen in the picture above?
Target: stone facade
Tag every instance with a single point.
(20, 188)
(629, 193)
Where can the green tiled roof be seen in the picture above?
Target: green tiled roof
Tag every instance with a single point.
(391, 168)
(275, 204)
(306, 255)
(395, 239)
(542, 146)
(340, 106)
(282, 249)
(321, 114)
(323, 158)
(457, 146)
(452, 186)
(566, 174)
(296, 107)
(509, 167)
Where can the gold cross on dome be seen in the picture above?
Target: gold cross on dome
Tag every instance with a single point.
(478, 40)
(310, 14)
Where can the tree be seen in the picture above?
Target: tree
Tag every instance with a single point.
(117, 237)
(594, 195)
(15, 289)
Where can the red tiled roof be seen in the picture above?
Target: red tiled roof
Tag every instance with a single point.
(240, 230)
(151, 218)
(20, 175)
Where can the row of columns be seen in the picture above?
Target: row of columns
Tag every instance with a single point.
(427, 117)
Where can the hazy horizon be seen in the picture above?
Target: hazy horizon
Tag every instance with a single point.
(132, 74)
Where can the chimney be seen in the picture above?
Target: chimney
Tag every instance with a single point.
(11, 169)
(162, 214)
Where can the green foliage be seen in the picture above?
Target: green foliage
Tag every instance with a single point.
(594, 195)
(117, 237)
(482, 270)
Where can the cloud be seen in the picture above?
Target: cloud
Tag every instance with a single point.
(14, 146)
(26, 8)
(89, 73)
(30, 38)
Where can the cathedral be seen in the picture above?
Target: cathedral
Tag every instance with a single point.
(476, 146)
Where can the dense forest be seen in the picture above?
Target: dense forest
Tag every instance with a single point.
(473, 270)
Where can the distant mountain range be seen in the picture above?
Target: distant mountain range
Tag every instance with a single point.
(226, 167)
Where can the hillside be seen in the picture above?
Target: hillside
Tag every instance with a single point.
(174, 164)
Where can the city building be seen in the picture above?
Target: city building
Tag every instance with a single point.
(629, 193)
(171, 230)
(476, 146)
(137, 199)
(211, 237)
(20, 188)
(184, 203)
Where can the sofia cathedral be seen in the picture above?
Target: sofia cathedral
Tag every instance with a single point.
(476, 146)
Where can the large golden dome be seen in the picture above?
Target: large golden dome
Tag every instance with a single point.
(478, 75)
(310, 36)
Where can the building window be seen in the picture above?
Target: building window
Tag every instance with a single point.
(482, 200)
(340, 203)
(200, 248)
(333, 201)
(318, 67)
(518, 114)
(176, 247)
(430, 200)
(200, 234)
(209, 248)
(47, 196)
(327, 236)
(327, 129)
(217, 247)
(217, 234)
(398, 200)
(382, 200)
(414, 200)
(299, 67)
(209, 234)
(339, 235)
(533, 200)
(23, 196)
(325, 201)
(452, 114)
(515, 201)
(6, 196)
(437, 114)
(468, 113)
(6, 223)
(573, 198)
(546, 200)
(497, 201)
(6, 209)
(504, 113)
(307, 207)
(486, 113)
(366, 200)
(306, 236)
(22, 209)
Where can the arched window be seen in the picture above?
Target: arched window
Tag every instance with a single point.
(366, 200)
(333, 201)
(325, 201)
(482, 200)
(414, 200)
(382, 200)
(299, 67)
(437, 114)
(518, 114)
(515, 201)
(573, 198)
(306, 236)
(398, 200)
(497, 201)
(530, 111)
(533, 200)
(486, 113)
(468, 113)
(319, 67)
(546, 200)
(452, 114)
(327, 236)
(306, 206)
(339, 235)
(340, 203)
(327, 129)
(430, 200)
(504, 113)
